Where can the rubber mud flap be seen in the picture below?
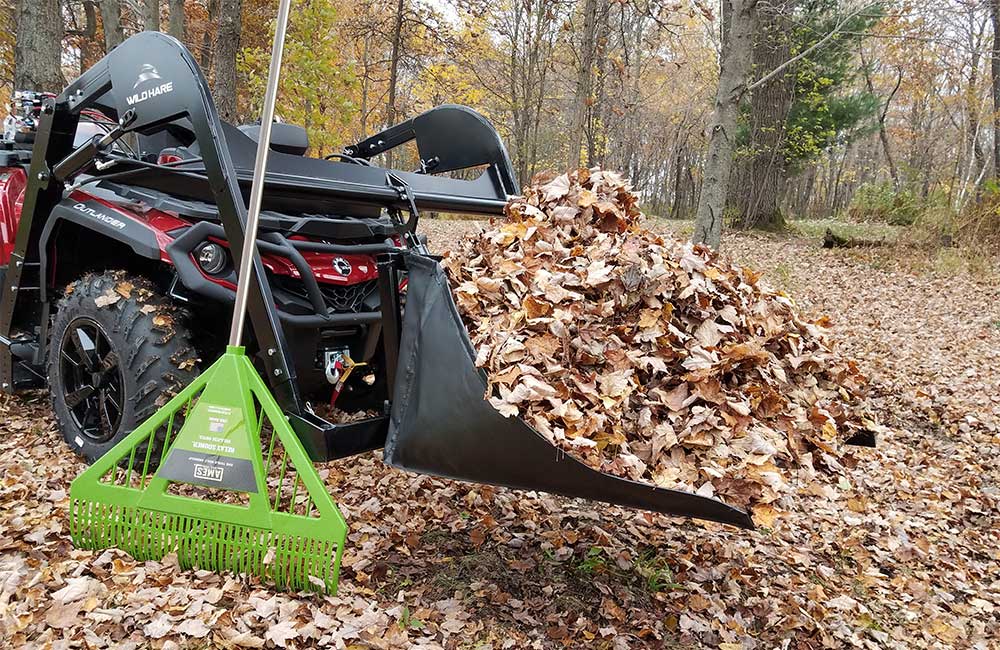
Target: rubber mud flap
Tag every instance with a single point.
(441, 425)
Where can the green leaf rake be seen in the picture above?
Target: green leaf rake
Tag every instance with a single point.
(217, 475)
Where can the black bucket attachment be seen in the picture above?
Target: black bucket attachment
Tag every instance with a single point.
(442, 425)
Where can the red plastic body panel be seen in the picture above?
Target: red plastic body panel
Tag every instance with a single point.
(13, 180)
(161, 223)
(362, 267)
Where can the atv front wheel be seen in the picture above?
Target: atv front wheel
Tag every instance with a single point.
(117, 351)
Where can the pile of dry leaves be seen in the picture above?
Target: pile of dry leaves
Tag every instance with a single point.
(644, 356)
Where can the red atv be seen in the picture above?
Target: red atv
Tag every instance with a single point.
(126, 281)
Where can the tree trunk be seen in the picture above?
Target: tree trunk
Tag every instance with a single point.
(596, 116)
(227, 44)
(518, 118)
(176, 25)
(883, 135)
(972, 169)
(756, 201)
(887, 150)
(838, 201)
(679, 197)
(151, 15)
(365, 79)
(541, 55)
(206, 41)
(584, 84)
(808, 194)
(738, 26)
(90, 50)
(38, 47)
(798, 202)
(973, 122)
(397, 38)
(111, 20)
(995, 79)
(527, 37)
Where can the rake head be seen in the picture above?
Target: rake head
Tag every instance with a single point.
(217, 475)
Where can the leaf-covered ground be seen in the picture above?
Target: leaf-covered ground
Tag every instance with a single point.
(904, 552)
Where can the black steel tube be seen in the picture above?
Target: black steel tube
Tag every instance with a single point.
(305, 271)
(329, 320)
(180, 251)
(321, 247)
(208, 229)
(388, 289)
(78, 159)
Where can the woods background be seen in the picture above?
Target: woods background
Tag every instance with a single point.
(868, 111)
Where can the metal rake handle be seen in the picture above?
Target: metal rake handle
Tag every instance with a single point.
(257, 187)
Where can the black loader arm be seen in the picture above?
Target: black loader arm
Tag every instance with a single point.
(146, 82)
(449, 137)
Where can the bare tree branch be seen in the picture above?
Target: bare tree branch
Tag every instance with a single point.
(812, 48)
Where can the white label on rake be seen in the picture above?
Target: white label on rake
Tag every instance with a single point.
(208, 473)
(79, 441)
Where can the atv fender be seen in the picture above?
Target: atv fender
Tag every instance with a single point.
(104, 221)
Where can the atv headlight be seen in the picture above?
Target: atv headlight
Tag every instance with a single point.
(211, 257)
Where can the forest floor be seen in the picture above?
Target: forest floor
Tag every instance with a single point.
(901, 553)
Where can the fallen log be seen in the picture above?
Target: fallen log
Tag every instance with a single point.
(833, 240)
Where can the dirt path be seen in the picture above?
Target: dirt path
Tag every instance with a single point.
(903, 553)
